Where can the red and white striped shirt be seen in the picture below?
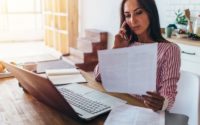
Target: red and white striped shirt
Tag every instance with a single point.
(168, 71)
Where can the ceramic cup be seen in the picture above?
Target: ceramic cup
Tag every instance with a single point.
(168, 31)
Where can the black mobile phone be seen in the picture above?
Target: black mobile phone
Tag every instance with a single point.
(127, 34)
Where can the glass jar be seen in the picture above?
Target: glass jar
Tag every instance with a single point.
(197, 26)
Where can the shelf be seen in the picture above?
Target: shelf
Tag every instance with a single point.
(63, 23)
(60, 14)
(50, 33)
(63, 32)
(63, 7)
(57, 38)
(57, 30)
(47, 12)
(56, 14)
(64, 43)
(56, 5)
(48, 5)
(49, 20)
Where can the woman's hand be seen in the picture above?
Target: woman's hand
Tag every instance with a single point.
(153, 101)
(121, 39)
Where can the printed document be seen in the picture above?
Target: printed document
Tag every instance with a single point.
(129, 70)
(132, 115)
(65, 76)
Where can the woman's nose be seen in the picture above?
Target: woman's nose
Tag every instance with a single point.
(132, 20)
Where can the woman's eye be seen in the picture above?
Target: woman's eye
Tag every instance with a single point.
(127, 15)
(138, 12)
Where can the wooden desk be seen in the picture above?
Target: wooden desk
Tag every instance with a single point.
(19, 108)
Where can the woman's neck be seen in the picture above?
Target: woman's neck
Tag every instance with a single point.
(144, 38)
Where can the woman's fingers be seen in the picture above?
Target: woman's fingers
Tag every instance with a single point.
(121, 39)
(151, 106)
(118, 38)
(122, 31)
(153, 101)
(155, 95)
(120, 42)
(124, 24)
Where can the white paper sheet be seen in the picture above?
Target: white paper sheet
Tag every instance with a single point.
(54, 72)
(132, 115)
(129, 70)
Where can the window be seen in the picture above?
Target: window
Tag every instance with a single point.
(21, 20)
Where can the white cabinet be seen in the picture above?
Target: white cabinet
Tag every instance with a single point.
(190, 58)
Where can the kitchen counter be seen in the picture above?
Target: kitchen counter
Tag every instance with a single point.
(190, 54)
(184, 41)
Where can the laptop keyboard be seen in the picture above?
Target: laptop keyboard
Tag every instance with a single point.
(81, 102)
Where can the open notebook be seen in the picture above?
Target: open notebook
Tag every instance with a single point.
(65, 76)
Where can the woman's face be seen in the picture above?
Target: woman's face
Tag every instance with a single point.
(136, 17)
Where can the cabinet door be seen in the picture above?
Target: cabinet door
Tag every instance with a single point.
(190, 58)
(190, 50)
(193, 67)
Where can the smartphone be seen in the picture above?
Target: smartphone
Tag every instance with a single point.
(127, 28)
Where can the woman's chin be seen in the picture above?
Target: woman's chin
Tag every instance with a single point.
(138, 32)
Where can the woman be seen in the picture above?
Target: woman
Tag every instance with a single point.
(140, 25)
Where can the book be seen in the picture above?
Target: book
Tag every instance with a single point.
(53, 64)
(65, 76)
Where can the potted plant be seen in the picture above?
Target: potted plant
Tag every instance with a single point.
(181, 20)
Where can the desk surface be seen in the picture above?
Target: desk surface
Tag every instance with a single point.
(19, 108)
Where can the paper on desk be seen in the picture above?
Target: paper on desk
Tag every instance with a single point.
(54, 72)
(65, 76)
(132, 115)
(129, 70)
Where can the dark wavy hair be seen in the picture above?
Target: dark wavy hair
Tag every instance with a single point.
(154, 28)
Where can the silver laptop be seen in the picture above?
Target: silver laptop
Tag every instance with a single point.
(88, 102)
(74, 99)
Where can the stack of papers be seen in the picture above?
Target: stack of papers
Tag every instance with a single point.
(65, 76)
(132, 115)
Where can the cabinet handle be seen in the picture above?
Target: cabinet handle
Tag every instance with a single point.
(188, 53)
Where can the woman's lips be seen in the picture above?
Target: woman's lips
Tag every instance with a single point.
(136, 28)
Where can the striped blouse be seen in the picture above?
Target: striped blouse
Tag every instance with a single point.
(168, 72)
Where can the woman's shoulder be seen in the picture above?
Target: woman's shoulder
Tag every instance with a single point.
(168, 46)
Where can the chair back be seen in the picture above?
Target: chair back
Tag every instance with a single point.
(187, 99)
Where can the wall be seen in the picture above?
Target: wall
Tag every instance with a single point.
(100, 14)
(168, 8)
(104, 14)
